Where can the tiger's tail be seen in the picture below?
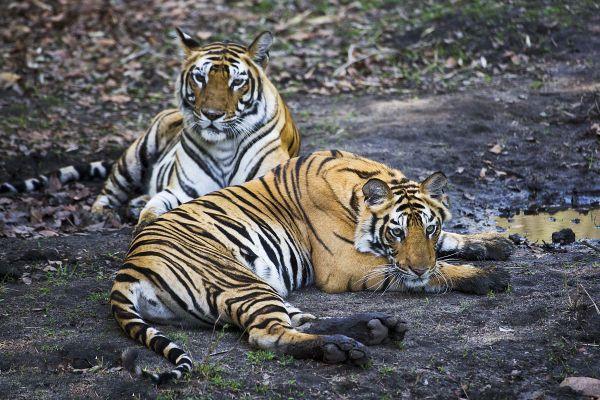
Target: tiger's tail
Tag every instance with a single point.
(79, 172)
(124, 309)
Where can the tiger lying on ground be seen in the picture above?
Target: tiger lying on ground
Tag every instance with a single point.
(231, 126)
(333, 219)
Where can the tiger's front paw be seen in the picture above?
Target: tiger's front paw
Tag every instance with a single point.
(340, 348)
(101, 205)
(491, 279)
(136, 206)
(147, 216)
(486, 246)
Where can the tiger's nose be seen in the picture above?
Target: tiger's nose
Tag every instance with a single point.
(212, 114)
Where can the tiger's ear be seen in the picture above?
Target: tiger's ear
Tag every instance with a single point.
(188, 43)
(434, 186)
(259, 49)
(376, 192)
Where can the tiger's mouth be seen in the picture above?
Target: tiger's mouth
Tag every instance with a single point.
(409, 278)
(209, 130)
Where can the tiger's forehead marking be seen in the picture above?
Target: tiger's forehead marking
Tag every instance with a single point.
(221, 57)
(409, 205)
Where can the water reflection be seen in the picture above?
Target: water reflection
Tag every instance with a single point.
(538, 227)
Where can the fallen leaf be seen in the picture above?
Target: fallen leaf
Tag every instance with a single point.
(496, 149)
(460, 170)
(9, 78)
(116, 98)
(482, 172)
(450, 62)
(204, 35)
(300, 36)
(48, 233)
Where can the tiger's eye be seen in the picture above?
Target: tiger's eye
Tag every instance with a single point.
(397, 232)
(431, 229)
(198, 76)
(237, 82)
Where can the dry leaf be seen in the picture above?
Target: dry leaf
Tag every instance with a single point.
(8, 79)
(48, 233)
(204, 35)
(482, 172)
(300, 36)
(451, 62)
(496, 149)
(116, 98)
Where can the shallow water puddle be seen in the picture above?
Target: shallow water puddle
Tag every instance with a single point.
(538, 227)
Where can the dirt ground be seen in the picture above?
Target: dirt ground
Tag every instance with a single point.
(505, 144)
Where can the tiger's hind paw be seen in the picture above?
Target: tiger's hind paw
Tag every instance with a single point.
(340, 349)
(369, 328)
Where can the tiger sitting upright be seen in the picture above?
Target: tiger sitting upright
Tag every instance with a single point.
(231, 126)
(333, 219)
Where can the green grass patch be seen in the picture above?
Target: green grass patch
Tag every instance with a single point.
(260, 356)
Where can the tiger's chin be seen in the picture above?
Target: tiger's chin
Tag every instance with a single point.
(416, 283)
(212, 134)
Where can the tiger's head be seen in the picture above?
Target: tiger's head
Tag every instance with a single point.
(402, 222)
(221, 89)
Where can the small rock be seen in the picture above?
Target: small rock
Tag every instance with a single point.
(585, 386)
(517, 239)
(564, 236)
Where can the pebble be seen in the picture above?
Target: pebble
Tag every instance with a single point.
(564, 236)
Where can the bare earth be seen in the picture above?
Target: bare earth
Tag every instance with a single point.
(58, 340)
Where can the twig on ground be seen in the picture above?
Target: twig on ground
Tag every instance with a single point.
(351, 60)
(135, 55)
(221, 352)
(591, 246)
(592, 300)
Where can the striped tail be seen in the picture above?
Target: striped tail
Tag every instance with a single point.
(125, 312)
(81, 172)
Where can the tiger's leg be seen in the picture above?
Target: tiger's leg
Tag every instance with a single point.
(260, 311)
(137, 204)
(297, 316)
(368, 328)
(468, 279)
(479, 246)
(130, 171)
(160, 203)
